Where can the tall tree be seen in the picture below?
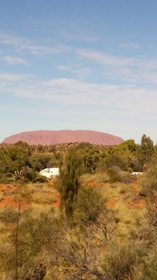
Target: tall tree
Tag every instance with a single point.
(146, 150)
(69, 180)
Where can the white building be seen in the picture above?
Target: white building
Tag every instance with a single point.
(50, 172)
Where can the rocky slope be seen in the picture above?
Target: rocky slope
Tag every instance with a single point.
(50, 137)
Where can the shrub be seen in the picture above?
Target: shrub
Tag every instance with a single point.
(40, 179)
(9, 215)
(89, 204)
(114, 173)
(38, 197)
(4, 179)
(149, 270)
(122, 260)
(102, 178)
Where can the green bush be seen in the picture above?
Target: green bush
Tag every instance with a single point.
(114, 174)
(89, 205)
(5, 179)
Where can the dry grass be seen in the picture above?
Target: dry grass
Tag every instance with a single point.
(123, 198)
(129, 208)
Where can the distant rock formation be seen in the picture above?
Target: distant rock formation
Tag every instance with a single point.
(51, 137)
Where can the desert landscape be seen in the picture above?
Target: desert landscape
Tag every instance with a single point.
(98, 209)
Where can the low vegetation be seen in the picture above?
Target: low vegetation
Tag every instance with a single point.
(94, 221)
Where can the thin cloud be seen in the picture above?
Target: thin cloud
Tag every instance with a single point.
(40, 50)
(70, 99)
(70, 92)
(77, 69)
(63, 67)
(122, 68)
(12, 60)
(21, 44)
(130, 46)
(106, 59)
(9, 77)
(115, 60)
(80, 37)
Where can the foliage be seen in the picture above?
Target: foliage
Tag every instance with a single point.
(145, 151)
(23, 162)
(114, 173)
(122, 260)
(89, 205)
(149, 182)
(123, 156)
(69, 180)
(111, 236)
(88, 247)
(149, 268)
(15, 160)
(41, 161)
(8, 215)
(149, 189)
(91, 155)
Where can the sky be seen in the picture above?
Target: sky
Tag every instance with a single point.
(79, 65)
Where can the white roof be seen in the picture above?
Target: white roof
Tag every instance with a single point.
(50, 172)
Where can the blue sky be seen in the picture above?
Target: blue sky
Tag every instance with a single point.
(79, 64)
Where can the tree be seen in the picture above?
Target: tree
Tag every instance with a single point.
(19, 155)
(69, 180)
(146, 150)
(149, 190)
(91, 156)
(5, 160)
(15, 159)
(90, 204)
(40, 161)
